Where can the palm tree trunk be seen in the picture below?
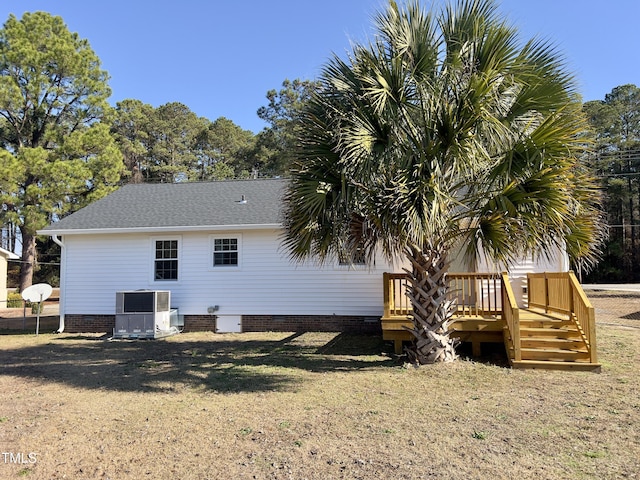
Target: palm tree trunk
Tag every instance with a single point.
(433, 309)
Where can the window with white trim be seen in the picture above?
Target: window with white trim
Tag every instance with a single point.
(226, 252)
(357, 259)
(165, 265)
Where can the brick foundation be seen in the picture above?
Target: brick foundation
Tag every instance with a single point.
(199, 323)
(106, 323)
(89, 323)
(311, 323)
(250, 323)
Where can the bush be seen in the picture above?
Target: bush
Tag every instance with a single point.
(14, 300)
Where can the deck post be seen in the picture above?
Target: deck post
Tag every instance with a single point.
(397, 346)
(517, 353)
(475, 348)
(571, 290)
(386, 292)
(546, 293)
(592, 335)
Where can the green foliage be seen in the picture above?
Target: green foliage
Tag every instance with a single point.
(224, 150)
(130, 127)
(444, 130)
(616, 159)
(479, 435)
(14, 300)
(171, 144)
(56, 155)
(276, 145)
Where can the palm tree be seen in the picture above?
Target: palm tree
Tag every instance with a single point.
(444, 130)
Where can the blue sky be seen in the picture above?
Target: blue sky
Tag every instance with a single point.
(221, 57)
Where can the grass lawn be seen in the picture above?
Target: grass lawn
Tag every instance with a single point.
(313, 405)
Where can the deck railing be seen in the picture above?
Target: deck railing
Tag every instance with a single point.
(511, 316)
(562, 293)
(550, 291)
(396, 302)
(476, 294)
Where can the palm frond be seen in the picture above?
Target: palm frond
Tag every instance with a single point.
(444, 128)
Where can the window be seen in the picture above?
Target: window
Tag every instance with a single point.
(166, 260)
(225, 252)
(357, 259)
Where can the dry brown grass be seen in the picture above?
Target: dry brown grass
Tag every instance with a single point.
(315, 406)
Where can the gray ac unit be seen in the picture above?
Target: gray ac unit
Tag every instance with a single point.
(143, 314)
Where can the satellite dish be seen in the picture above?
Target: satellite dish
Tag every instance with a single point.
(37, 293)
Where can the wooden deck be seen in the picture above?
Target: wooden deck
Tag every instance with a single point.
(556, 331)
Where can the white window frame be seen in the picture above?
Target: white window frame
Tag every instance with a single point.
(228, 236)
(340, 265)
(152, 273)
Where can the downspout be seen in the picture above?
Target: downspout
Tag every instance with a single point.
(63, 265)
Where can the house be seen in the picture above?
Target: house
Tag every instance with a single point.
(217, 248)
(5, 256)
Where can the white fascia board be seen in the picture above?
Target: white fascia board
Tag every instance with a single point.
(196, 228)
(8, 254)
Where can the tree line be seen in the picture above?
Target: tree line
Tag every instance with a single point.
(615, 160)
(63, 146)
(172, 144)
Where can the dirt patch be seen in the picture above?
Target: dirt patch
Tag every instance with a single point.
(313, 405)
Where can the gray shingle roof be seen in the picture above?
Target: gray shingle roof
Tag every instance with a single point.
(157, 206)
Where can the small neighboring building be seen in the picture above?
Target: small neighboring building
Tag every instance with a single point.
(5, 256)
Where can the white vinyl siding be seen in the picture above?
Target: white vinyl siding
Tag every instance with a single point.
(269, 282)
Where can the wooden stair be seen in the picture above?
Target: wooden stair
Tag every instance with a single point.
(550, 342)
(487, 311)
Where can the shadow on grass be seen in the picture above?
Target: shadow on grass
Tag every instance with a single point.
(4, 331)
(218, 363)
(491, 354)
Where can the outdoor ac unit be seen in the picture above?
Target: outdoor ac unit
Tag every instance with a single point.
(143, 314)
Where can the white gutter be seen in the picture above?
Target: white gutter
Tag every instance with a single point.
(194, 228)
(63, 266)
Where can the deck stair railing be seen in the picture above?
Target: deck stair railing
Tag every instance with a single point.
(511, 316)
(561, 293)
